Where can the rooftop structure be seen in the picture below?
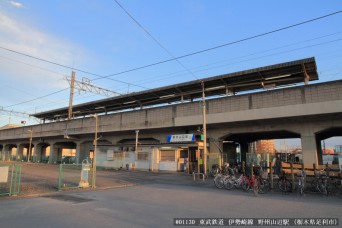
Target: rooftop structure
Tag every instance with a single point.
(273, 76)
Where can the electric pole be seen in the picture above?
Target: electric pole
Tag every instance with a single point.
(72, 87)
(204, 131)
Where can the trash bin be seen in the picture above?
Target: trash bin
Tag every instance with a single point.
(127, 166)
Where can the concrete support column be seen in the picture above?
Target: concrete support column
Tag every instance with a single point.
(38, 152)
(244, 150)
(214, 152)
(8, 152)
(309, 149)
(20, 153)
(3, 154)
(78, 153)
(54, 150)
(319, 151)
(83, 151)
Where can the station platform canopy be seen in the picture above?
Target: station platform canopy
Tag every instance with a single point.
(268, 77)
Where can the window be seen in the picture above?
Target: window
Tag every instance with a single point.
(143, 156)
(167, 155)
(118, 155)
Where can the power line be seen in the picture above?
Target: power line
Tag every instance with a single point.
(157, 63)
(37, 98)
(68, 67)
(48, 61)
(179, 57)
(154, 39)
(180, 73)
(223, 45)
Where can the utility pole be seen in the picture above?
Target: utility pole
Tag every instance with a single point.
(30, 146)
(85, 85)
(136, 144)
(94, 155)
(204, 131)
(72, 88)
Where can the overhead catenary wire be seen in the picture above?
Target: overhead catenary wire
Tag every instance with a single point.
(241, 61)
(224, 45)
(179, 57)
(155, 39)
(160, 62)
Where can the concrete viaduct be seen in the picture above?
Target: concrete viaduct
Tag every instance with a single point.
(309, 112)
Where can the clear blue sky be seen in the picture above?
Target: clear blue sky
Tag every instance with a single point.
(99, 37)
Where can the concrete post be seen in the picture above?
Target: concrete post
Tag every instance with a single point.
(19, 153)
(319, 151)
(309, 149)
(79, 158)
(38, 152)
(244, 150)
(53, 153)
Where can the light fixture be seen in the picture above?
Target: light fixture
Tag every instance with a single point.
(215, 88)
(167, 96)
(129, 102)
(276, 77)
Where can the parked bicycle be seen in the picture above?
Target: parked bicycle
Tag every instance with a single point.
(215, 170)
(220, 180)
(338, 182)
(301, 182)
(321, 183)
(234, 180)
(284, 184)
(255, 182)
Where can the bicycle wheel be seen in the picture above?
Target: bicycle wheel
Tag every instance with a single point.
(219, 181)
(229, 184)
(264, 186)
(321, 187)
(314, 185)
(256, 186)
(245, 184)
(338, 184)
(324, 186)
(300, 187)
(285, 185)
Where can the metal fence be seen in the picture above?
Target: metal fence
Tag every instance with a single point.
(10, 177)
(74, 176)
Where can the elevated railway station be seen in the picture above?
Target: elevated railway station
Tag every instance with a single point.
(162, 128)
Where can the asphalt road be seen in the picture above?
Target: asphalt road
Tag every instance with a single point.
(157, 204)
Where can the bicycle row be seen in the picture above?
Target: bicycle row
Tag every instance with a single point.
(259, 181)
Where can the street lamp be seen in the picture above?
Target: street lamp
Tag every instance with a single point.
(29, 150)
(94, 155)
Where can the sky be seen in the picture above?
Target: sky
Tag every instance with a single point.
(42, 42)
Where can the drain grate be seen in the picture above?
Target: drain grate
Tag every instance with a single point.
(68, 198)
